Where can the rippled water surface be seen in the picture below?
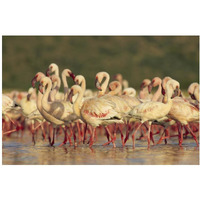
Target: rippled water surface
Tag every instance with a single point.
(19, 150)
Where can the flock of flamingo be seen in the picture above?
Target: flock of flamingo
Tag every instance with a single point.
(82, 114)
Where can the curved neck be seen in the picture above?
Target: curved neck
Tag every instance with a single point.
(65, 84)
(104, 85)
(143, 93)
(157, 93)
(117, 90)
(57, 72)
(168, 95)
(39, 101)
(83, 85)
(55, 89)
(45, 103)
(77, 102)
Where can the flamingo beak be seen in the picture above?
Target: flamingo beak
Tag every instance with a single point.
(69, 98)
(141, 86)
(28, 97)
(176, 92)
(150, 86)
(72, 75)
(33, 82)
(97, 84)
(192, 96)
(48, 72)
(163, 91)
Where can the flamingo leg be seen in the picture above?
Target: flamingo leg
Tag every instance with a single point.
(193, 135)
(85, 134)
(133, 135)
(92, 137)
(166, 132)
(33, 133)
(11, 120)
(65, 138)
(121, 132)
(180, 136)
(71, 133)
(127, 133)
(8, 132)
(79, 132)
(148, 135)
(54, 133)
(110, 137)
(43, 131)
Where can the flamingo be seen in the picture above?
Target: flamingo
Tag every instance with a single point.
(122, 106)
(61, 110)
(151, 111)
(95, 111)
(183, 113)
(115, 88)
(7, 105)
(55, 122)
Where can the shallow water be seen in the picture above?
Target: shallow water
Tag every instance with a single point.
(19, 150)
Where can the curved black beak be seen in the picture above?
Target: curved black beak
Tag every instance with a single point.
(72, 75)
(33, 82)
(48, 72)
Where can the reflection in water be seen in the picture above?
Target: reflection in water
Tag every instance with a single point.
(18, 150)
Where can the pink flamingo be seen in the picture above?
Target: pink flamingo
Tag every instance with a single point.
(151, 111)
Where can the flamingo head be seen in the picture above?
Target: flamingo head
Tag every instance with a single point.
(144, 83)
(52, 68)
(78, 79)
(37, 78)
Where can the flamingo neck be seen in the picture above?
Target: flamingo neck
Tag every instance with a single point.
(104, 85)
(45, 103)
(167, 97)
(117, 90)
(55, 89)
(77, 103)
(83, 85)
(157, 93)
(143, 93)
(65, 84)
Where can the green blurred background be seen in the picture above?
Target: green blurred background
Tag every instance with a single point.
(135, 57)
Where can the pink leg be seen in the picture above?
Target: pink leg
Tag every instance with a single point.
(193, 135)
(54, 133)
(71, 133)
(92, 138)
(110, 137)
(8, 132)
(85, 134)
(133, 135)
(79, 132)
(43, 131)
(65, 138)
(180, 136)
(127, 133)
(121, 131)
